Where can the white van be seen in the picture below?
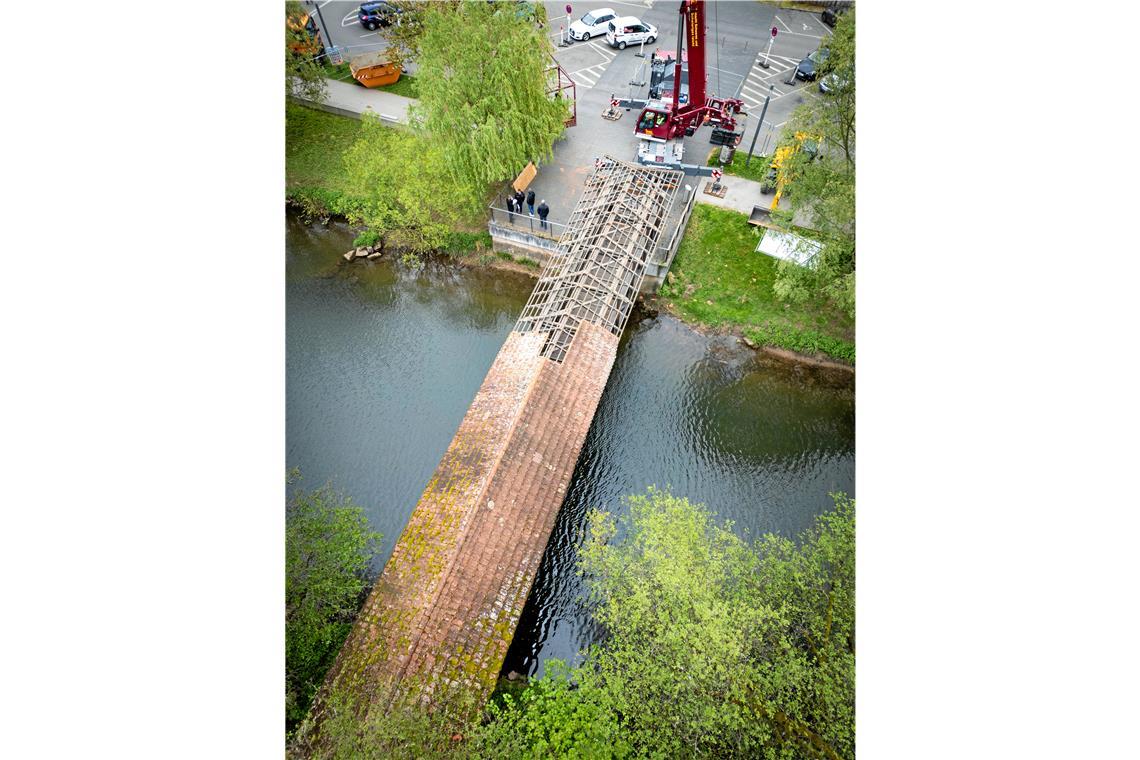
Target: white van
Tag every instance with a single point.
(629, 30)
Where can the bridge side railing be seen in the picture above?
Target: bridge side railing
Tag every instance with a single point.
(663, 256)
(527, 223)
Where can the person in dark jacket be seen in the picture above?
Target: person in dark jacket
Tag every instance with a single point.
(511, 209)
(530, 202)
(519, 200)
(543, 210)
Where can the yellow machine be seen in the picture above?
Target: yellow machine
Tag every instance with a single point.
(777, 173)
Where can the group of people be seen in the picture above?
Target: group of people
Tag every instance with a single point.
(515, 204)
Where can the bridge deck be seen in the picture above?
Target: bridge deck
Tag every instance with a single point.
(440, 618)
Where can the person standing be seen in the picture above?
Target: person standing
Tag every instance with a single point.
(543, 210)
(519, 200)
(511, 209)
(530, 202)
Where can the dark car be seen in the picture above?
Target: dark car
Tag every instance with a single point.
(375, 15)
(832, 13)
(808, 68)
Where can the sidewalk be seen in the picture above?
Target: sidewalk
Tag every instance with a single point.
(351, 99)
(742, 194)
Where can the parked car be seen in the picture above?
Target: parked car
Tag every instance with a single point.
(377, 14)
(593, 24)
(808, 68)
(629, 30)
(833, 82)
(832, 13)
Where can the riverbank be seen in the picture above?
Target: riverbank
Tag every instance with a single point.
(317, 182)
(717, 283)
(720, 282)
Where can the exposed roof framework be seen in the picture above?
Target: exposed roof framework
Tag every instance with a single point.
(601, 257)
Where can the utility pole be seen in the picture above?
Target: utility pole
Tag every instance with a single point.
(755, 134)
(324, 29)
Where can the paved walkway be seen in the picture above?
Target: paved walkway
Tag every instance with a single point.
(352, 99)
(742, 195)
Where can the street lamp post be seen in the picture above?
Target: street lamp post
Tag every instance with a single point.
(755, 134)
(324, 29)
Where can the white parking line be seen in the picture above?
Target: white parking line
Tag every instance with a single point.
(607, 54)
(581, 79)
(350, 19)
(798, 34)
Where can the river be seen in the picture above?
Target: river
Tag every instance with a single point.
(382, 362)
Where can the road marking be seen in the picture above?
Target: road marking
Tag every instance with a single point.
(345, 21)
(788, 30)
(586, 81)
(758, 96)
(607, 54)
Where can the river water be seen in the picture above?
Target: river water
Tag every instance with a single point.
(382, 362)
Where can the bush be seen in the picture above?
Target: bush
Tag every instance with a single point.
(328, 549)
(366, 239)
(802, 341)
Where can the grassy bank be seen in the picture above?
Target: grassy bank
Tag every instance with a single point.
(317, 181)
(719, 280)
(755, 170)
(315, 142)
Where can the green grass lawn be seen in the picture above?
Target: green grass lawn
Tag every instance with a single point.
(755, 170)
(315, 142)
(718, 279)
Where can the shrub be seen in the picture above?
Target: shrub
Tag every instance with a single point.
(328, 549)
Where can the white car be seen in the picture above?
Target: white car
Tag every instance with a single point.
(593, 24)
(629, 30)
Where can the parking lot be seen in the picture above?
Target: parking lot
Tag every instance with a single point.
(737, 35)
(741, 33)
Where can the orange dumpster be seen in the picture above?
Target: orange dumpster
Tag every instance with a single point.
(374, 69)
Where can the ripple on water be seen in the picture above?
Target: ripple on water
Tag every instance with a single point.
(382, 362)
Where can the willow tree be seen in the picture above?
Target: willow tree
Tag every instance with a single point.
(483, 91)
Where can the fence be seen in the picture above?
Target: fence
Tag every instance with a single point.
(663, 256)
(527, 223)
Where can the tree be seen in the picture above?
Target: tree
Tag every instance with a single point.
(304, 76)
(483, 91)
(328, 548)
(823, 189)
(714, 649)
(407, 197)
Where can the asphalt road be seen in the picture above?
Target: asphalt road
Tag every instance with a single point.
(343, 28)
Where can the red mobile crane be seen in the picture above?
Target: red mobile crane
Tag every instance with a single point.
(660, 124)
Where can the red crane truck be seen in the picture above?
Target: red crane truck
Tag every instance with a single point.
(661, 126)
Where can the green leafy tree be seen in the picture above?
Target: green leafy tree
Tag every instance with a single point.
(483, 91)
(407, 197)
(822, 191)
(304, 76)
(328, 548)
(714, 649)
